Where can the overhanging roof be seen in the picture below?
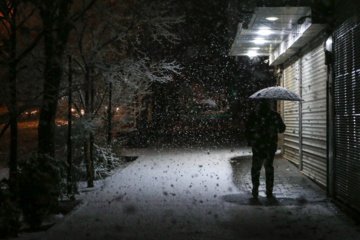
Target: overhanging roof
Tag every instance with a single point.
(279, 37)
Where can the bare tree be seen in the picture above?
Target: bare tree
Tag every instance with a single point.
(57, 21)
(106, 53)
(17, 41)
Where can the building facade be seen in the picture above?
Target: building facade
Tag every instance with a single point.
(345, 97)
(315, 49)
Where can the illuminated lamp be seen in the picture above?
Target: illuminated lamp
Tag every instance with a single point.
(264, 32)
(272, 18)
(259, 41)
(252, 53)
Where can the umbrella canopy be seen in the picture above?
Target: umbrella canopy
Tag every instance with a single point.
(208, 102)
(276, 93)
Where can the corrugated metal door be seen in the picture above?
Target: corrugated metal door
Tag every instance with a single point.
(314, 115)
(347, 111)
(291, 114)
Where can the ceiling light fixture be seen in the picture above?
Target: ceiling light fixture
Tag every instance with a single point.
(259, 41)
(272, 18)
(252, 53)
(264, 32)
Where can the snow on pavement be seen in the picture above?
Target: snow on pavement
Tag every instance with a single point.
(179, 194)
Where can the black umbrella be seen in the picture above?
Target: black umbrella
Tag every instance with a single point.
(276, 93)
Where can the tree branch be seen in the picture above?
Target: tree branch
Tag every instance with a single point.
(75, 17)
(99, 105)
(30, 48)
(26, 18)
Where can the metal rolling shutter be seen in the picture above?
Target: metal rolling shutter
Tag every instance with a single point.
(347, 111)
(314, 115)
(291, 115)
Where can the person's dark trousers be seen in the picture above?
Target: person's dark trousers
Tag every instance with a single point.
(263, 154)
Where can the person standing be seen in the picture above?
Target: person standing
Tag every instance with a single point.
(262, 128)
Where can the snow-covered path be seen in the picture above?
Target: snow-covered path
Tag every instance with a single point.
(180, 194)
(167, 194)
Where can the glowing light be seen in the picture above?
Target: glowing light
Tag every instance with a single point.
(264, 32)
(259, 41)
(252, 53)
(272, 18)
(82, 112)
(328, 44)
(329, 41)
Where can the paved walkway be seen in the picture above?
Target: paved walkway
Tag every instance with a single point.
(201, 193)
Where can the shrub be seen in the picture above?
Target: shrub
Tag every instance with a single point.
(105, 160)
(9, 212)
(41, 185)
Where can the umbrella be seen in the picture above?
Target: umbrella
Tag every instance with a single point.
(276, 93)
(208, 102)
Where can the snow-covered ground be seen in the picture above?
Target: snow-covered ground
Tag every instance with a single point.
(199, 193)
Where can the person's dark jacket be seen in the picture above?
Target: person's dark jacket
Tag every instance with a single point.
(262, 127)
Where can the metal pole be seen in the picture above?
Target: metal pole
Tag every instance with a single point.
(300, 117)
(330, 122)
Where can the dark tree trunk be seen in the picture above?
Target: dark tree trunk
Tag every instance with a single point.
(13, 105)
(88, 142)
(70, 179)
(109, 126)
(92, 171)
(92, 142)
(46, 130)
(13, 130)
(89, 165)
(55, 39)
